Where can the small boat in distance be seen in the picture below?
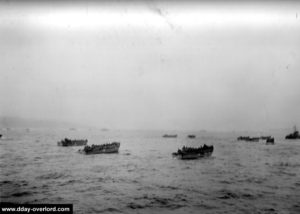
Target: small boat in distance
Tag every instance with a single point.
(294, 135)
(243, 138)
(101, 149)
(170, 136)
(247, 138)
(265, 137)
(69, 142)
(0, 135)
(194, 153)
(254, 139)
(191, 136)
(270, 140)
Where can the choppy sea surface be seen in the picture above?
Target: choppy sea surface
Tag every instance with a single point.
(239, 177)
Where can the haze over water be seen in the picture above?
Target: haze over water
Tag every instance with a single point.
(152, 64)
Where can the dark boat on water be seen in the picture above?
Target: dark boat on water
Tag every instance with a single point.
(170, 136)
(69, 142)
(254, 139)
(0, 135)
(265, 137)
(247, 138)
(101, 149)
(294, 135)
(191, 136)
(194, 153)
(270, 140)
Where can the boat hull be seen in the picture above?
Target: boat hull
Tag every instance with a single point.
(72, 143)
(170, 136)
(292, 137)
(108, 151)
(188, 153)
(191, 136)
(101, 149)
(193, 156)
(270, 141)
(248, 139)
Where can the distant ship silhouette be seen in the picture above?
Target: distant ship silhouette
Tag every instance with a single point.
(294, 135)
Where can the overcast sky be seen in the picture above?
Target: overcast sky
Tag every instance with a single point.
(152, 64)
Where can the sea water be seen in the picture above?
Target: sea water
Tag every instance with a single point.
(239, 177)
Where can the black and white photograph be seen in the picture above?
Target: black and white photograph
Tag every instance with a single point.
(150, 106)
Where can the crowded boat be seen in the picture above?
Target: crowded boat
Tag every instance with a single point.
(294, 135)
(194, 153)
(101, 149)
(191, 136)
(247, 138)
(270, 140)
(69, 142)
(170, 136)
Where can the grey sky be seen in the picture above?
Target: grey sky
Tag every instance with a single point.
(152, 64)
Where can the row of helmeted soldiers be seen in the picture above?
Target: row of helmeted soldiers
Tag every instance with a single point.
(100, 147)
(200, 150)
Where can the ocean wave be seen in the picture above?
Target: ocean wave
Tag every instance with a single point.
(269, 210)
(110, 210)
(227, 194)
(5, 182)
(286, 164)
(70, 182)
(37, 158)
(168, 187)
(21, 194)
(206, 206)
(226, 181)
(155, 201)
(7, 139)
(16, 184)
(52, 175)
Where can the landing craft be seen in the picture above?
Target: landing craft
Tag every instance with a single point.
(191, 136)
(294, 135)
(194, 153)
(69, 142)
(101, 149)
(170, 136)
